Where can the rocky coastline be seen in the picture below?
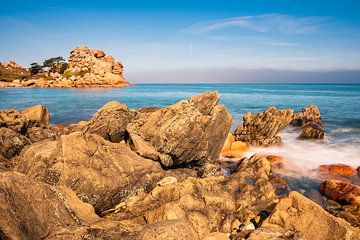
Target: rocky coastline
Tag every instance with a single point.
(85, 68)
(176, 172)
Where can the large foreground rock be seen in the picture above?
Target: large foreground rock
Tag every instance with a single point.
(297, 217)
(110, 122)
(192, 130)
(34, 210)
(215, 203)
(100, 172)
(262, 129)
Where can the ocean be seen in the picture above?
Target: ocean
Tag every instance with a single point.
(339, 105)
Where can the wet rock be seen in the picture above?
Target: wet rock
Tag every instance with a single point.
(38, 116)
(312, 131)
(11, 142)
(294, 217)
(25, 214)
(192, 130)
(309, 114)
(209, 204)
(110, 122)
(341, 192)
(262, 129)
(337, 169)
(99, 172)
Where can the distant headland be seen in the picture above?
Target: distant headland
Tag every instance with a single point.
(85, 68)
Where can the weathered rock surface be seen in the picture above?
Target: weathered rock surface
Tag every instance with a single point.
(312, 131)
(110, 122)
(215, 203)
(11, 142)
(309, 114)
(100, 172)
(34, 210)
(341, 192)
(192, 130)
(38, 116)
(262, 129)
(297, 217)
(14, 120)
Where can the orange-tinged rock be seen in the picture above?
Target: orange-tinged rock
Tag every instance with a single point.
(337, 169)
(239, 146)
(232, 154)
(229, 140)
(216, 236)
(341, 191)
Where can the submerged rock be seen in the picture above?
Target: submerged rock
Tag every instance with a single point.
(192, 130)
(309, 114)
(341, 192)
(337, 169)
(110, 122)
(312, 131)
(262, 129)
(297, 217)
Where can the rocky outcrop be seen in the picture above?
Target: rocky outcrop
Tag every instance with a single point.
(312, 131)
(192, 130)
(88, 68)
(309, 114)
(110, 122)
(12, 73)
(99, 172)
(296, 217)
(33, 123)
(310, 121)
(215, 203)
(262, 129)
(341, 192)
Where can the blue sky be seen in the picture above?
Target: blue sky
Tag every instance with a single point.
(195, 39)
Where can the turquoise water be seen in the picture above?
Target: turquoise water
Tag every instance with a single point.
(339, 105)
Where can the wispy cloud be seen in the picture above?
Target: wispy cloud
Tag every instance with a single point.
(256, 39)
(263, 23)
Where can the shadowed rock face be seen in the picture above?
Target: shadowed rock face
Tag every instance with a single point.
(312, 131)
(208, 204)
(192, 130)
(261, 129)
(11, 142)
(110, 122)
(100, 172)
(296, 217)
